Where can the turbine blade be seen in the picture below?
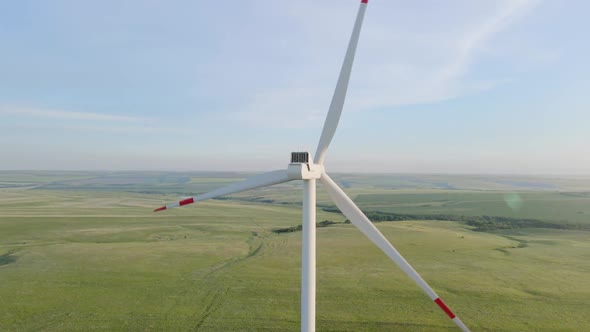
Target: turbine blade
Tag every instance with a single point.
(340, 92)
(257, 181)
(358, 218)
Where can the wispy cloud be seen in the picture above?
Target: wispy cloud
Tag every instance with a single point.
(99, 128)
(69, 115)
(392, 68)
(38, 119)
(445, 73)
(476, 38)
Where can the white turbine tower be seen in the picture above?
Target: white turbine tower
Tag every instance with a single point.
(303, 168)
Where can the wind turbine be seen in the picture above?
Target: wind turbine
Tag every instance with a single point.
(302, 167)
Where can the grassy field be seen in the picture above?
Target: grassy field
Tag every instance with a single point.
(73, 259)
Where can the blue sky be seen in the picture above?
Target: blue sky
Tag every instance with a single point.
(437, 87)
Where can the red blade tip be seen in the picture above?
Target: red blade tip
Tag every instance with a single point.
(189, 200)
(444, 307)
(160, 208)
(364, 1)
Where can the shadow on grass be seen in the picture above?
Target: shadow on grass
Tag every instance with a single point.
(7, 258)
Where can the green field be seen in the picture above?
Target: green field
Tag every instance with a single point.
(83, 251)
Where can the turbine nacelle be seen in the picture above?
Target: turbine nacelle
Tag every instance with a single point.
(303, 168)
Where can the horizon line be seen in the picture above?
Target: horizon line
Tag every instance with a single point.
(333, 172)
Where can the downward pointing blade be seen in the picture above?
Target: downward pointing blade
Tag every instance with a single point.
(358, 218)
(258, 181)
(339, 96)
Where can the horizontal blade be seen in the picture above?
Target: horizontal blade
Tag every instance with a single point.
(257, 181)
(339, 96)
(358, 218)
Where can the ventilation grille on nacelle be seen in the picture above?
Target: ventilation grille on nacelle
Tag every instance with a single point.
(300, 157)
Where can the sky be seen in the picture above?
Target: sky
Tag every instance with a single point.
(495, 86)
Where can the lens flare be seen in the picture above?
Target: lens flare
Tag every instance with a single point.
(513, 201)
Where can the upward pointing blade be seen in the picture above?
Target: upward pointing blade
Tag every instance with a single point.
(258, 181)
(358, 218)
(337, 103)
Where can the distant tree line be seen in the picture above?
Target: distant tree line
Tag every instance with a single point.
(480, 223)
(299, 227)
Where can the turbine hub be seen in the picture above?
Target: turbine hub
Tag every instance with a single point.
(303, 168)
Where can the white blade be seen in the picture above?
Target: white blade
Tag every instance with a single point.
(340, 92)
(358, 218)
(258, 181)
